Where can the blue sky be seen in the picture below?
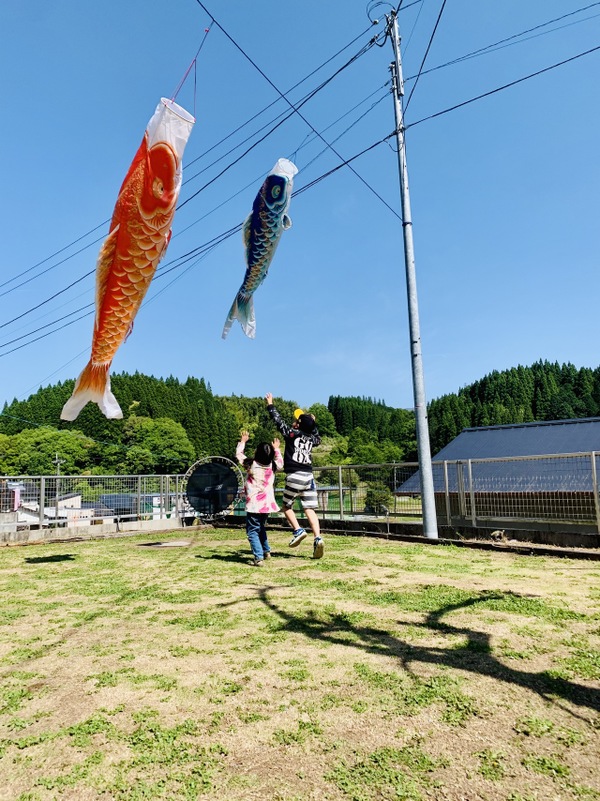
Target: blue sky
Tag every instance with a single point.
(504, 191)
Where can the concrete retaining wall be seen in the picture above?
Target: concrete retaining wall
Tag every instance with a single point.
(36, 536)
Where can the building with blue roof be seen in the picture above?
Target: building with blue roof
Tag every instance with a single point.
(529, 473)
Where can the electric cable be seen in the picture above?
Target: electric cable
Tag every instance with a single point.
(43, 302)
(56, 253)
(43, 336)
(282, 117)
(408, 126)
(305, 143)
(47, 325)
(274, 103)
(431, 38)
(52, 267)
(344, 163)
(333, 141)
(500, 88)
(510, 40)
(295, 110)
(302, 117)
(222, 237)
(412, 30)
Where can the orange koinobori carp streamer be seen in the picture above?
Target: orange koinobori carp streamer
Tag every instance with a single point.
(140, 231)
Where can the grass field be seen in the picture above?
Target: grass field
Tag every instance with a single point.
(131, 670)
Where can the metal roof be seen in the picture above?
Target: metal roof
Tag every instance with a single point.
(556, 437)
(525, 439)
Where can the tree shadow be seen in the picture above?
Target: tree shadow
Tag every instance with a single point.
(59, 557)
(475, 656)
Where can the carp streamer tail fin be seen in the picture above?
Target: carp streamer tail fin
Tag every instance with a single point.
(242, 310)
(93, 385)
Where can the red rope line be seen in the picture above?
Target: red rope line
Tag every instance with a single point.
(193, 64)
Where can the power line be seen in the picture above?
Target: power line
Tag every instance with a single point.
(295, 110)
(42, 327)
(435, 27)
(345, 163)
(52, 267)
(356, 121)
(43, 336)
(43, 302)
(274, 103)
(56, 253)
(302, 117)
(36, 307)
(500, 88)
(307, 141)
(511, 40)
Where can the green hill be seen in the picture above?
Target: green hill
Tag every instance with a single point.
(170, 423)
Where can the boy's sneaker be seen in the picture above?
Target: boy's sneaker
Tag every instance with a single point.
(318, 548)
(297, 537)
(267, 555)
(258, 563)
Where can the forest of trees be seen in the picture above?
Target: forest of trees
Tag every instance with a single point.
(544, 391)
(168, 424)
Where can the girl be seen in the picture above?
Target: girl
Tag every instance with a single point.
(258, 489)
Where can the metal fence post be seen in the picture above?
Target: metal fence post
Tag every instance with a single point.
(471, 493)
(351, 493)
(595, 486)
(341, 492)
(41, 514)
(447, 494)
(139, 497)
(460, 485)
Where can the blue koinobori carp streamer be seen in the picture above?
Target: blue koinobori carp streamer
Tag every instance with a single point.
(262, 231)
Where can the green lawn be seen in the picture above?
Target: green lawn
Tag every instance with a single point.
(130, 670)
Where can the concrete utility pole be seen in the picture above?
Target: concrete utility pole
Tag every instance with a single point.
(423, 446)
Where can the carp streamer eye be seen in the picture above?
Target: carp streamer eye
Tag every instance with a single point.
(276, 191)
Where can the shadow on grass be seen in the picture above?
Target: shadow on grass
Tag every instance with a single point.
(243, 557)
(58, 557)
(475, 656)
(237, 558)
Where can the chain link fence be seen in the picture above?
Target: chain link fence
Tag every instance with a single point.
(59, 501)
(559, 492)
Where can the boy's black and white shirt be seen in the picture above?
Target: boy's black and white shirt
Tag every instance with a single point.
(298, 445)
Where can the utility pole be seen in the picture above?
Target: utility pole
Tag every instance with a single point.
(423, 446)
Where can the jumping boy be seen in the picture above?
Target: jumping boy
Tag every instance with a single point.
(300, 438)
